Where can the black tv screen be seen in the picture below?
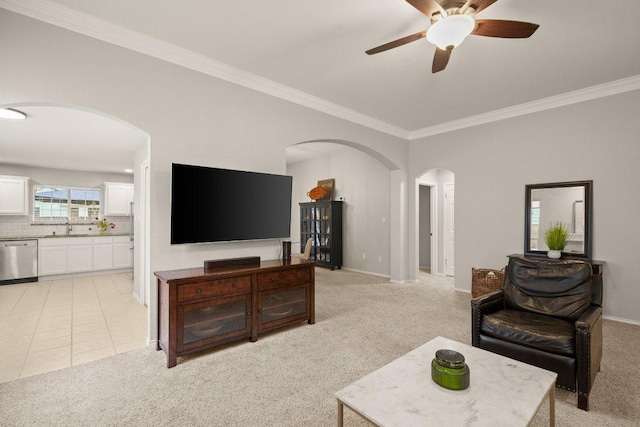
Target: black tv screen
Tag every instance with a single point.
(220, 205)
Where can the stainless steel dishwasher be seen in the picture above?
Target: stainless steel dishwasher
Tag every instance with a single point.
(18, 261)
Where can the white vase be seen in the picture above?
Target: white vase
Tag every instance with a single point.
(554, 254)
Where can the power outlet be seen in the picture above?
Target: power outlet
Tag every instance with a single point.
(379, 259)
(364, 255)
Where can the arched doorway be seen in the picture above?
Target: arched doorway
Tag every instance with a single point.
(75, 147)
(74, 138)
(363, 181)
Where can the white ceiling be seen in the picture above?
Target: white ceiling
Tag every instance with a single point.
(65, 138)
(317, 48)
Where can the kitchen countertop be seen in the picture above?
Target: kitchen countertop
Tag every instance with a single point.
(59, 236)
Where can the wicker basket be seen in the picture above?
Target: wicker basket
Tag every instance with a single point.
(317, 193)
(485, 280)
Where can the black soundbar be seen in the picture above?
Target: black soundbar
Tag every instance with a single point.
(214, 264)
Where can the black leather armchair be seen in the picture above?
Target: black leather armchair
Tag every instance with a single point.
(548, 314)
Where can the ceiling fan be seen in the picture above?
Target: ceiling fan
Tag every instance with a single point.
(452, 21)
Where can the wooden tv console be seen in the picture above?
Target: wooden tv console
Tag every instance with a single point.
(201, 308)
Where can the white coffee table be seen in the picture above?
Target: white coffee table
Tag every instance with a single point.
(503, 391)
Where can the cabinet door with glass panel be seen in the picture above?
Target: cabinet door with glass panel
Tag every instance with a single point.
(213, 320)
(279, 306)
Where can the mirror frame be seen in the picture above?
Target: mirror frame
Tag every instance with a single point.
(588, 208)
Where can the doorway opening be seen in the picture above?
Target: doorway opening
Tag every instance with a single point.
(84, 275)
(436, 227)
(360, 176)
(65, 145)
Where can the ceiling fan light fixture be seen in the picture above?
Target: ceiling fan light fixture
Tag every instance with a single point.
(450, 31)
(11, 114)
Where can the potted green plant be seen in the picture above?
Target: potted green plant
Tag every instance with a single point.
(556, 237)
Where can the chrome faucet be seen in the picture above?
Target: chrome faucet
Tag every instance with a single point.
(69, 227)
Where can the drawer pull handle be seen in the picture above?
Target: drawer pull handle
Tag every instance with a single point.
(273, 279)
(298, 275)
(199, 290)
(259, 310)
(235, 285)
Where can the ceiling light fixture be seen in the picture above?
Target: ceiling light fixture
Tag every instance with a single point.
(10, 113)
(128, 170)
(450, 31)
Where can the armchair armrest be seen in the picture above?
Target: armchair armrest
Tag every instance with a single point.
(588, 349)
(480, 306)
(588, 319)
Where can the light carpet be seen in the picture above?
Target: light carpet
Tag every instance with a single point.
(289, 377)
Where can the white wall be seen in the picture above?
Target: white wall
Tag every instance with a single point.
(595, 140)
(139, 222)
(363, 183)
(196, 119)
(191, 118)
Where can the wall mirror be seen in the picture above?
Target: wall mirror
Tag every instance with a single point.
(566, 202)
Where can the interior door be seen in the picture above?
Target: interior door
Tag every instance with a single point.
(425, 228)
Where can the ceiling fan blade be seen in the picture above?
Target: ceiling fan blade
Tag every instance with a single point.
(428, 7)
(440, 60)
(504, 29)
(396, 43)
(480, 5)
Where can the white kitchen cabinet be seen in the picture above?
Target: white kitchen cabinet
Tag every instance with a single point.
(80, 258)
(122, 254)
(102, 253)
(66, 255)
(117, 199)
(14, 195)
(51, 260)
(63, 255)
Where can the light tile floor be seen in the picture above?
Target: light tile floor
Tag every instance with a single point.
(50, 325)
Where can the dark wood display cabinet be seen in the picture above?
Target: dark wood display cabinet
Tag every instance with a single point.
(201, 308)
(322, 222)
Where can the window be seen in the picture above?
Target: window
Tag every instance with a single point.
(52, 204)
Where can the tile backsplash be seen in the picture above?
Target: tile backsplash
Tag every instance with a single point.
(22, 226)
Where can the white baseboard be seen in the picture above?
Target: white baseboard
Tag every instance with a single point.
(137, 298)
(367, 272)
(85, 274)
(622, 320)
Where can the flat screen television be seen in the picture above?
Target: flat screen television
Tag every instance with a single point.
(221, 205)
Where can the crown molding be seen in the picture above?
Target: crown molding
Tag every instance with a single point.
(88, 25)
(600, 91)
(70, 19)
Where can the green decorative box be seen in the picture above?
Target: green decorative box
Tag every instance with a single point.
(448, 370)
